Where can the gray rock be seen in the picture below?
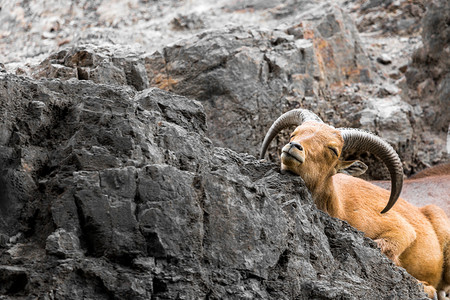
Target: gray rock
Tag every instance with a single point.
(161, 213)
(88, 153)
(63, 244)
(384, 59)
(14, 279)
(389, 17)
(246, 78)
(4, 239)
(428, 82)
(302, 54)
(120, 66)
(187, 22)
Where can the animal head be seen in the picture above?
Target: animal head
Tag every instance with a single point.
(314, 150)
(313, 153)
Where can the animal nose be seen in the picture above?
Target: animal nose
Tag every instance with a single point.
(296, 145)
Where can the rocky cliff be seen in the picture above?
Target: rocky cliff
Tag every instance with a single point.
(355, 64)
(129, 128)
(112, 193)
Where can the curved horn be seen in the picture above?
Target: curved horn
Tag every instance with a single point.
(292, 117)
(365, 141)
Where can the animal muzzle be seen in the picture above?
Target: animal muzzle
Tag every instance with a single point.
(292, 152)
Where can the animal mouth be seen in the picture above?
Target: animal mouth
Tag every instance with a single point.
(288, 155)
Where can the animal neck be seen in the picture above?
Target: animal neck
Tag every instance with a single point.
(326, 199)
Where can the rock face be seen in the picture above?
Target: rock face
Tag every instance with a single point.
(112, 193)
(107, 65)
(125, 127)
(400, 17)
(244, 77)
(310, 55)
(255, 75)
(428, 76)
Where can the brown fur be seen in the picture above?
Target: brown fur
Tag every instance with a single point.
(417, 239)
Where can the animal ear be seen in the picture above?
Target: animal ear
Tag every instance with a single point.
(351, 167)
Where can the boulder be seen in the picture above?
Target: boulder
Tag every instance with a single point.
(108, 65)
(310, 55)
(388, 17)
(245, 78)
(428, 83)
(120, 194)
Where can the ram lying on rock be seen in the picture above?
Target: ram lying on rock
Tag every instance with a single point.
(417, 239)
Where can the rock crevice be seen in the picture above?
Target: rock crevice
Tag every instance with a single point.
(136, 202)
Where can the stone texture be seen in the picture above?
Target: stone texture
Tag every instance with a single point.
(246, 78)
(63, 244)
(120, 66)
(277, 55)
(428, 74)
(127, 198)
(428, 84)
(400, 17)
(111, 189)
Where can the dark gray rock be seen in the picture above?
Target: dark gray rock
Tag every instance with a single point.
(4, 239)
(63, 244)
(389, 17)
(310, 56)
(187, 22)
(384, 59)
(122, 196)
(111, 65)
(428, 82)
(245, 78)
(427, 75)
(14, 279)
(111, 190)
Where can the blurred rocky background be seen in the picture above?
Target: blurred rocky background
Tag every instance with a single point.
(129, 131)
(377, 65)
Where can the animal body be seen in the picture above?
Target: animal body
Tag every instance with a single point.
(417, 239)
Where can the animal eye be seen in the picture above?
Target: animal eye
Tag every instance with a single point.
(334, 150)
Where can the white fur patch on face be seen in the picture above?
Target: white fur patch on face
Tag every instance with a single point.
(291, 155)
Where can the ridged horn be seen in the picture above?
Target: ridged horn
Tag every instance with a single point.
(290, 118)
(365, 141)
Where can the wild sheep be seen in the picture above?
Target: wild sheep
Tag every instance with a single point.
(417, 239)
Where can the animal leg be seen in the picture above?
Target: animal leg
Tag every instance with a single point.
(441, 225)
(389, 249)
(394, 242)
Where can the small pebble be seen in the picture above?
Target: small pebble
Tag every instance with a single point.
(384, 59)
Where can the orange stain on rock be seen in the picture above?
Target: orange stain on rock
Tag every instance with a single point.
(164, 82)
